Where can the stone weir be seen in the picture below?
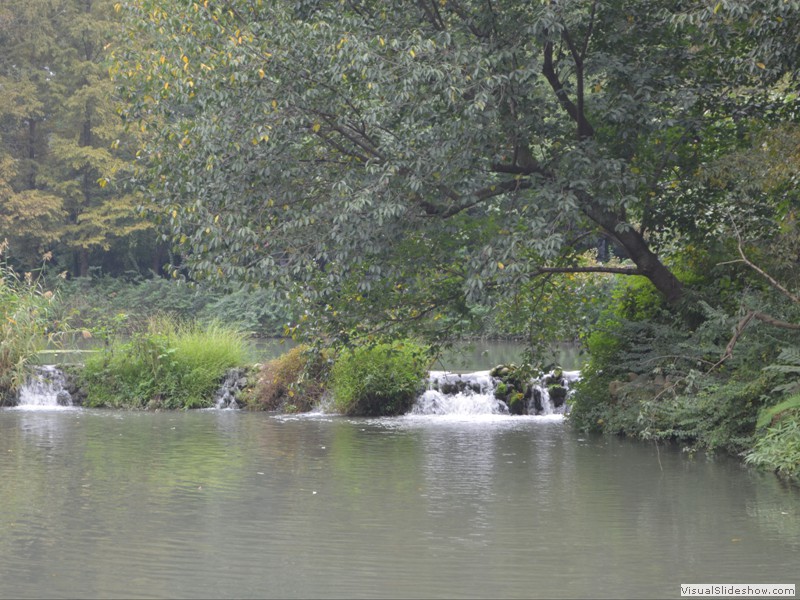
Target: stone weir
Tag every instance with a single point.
(506, 389)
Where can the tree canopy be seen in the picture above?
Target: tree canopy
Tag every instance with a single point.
(402, 159)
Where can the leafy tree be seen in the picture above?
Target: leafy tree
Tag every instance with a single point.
(61, 139)
(403, 159)
(30, 217)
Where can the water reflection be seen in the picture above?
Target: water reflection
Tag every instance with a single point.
(232, 504)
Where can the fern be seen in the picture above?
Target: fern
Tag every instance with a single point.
(767, 415)
(788, 365)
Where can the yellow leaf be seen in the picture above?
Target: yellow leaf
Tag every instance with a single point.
(761, 65)
(412, 53)
(274, 104)
(174, 213)
(382, 41)
(315, 128)
(717, 7)
(501, 266)
(261, 73)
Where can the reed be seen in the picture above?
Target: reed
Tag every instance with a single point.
(25, 326)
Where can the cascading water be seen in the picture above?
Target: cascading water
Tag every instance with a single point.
(45, 388)
(476, 394)
(459, 394)
(234, 382)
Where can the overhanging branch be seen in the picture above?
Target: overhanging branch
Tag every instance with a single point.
(599, 269)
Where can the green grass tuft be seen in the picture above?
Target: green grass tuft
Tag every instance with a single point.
(168, 364)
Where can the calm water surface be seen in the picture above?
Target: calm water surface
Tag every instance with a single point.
(234, 504)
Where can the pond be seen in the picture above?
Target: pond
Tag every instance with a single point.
(211, 504)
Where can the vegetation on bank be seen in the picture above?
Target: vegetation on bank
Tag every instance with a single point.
(292, 382)
(25, 325)
(696, 374)
(380, 379)
(167, 364)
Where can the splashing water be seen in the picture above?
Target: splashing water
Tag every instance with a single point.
(474, 394)
(45, 388)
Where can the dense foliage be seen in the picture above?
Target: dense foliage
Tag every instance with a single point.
(62, 145)
(379, 379)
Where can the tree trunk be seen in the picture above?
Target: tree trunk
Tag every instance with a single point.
(83, 262)
(158, 259)
(638, 251)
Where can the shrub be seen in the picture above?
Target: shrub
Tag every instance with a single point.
(166, 365)
(293, 382)
(379, 380)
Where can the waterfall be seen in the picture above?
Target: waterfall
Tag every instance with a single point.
(459, 394)
(476, 394)
(234, 382)
(45, 388)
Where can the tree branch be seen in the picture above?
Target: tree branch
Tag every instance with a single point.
(467, 201)
(585, 128)
(615, 270)
(775, 322)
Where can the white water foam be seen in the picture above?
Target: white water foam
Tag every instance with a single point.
(433, 402)
(45, 390)
(472, 394)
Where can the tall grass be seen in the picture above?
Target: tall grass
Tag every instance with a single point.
(167, 364)
(25, 325)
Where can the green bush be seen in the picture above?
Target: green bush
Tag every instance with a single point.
(168, 364)
(379, 380)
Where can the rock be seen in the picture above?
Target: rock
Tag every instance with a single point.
(558, 394)
(516, 404)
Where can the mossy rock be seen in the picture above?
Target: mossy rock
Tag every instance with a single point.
(517, 404)
(502, 390)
